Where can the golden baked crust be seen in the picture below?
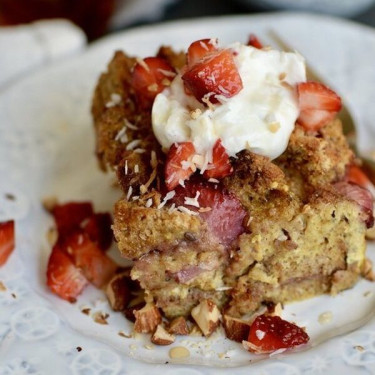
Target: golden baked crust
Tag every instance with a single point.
(301, 238)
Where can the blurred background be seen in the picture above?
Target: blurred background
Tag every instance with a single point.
(34, 33)
(99, 17)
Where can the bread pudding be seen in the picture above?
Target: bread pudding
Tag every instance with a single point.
(234, 171)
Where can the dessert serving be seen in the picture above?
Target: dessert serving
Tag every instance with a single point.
(240, 192)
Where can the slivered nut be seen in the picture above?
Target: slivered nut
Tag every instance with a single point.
(178, 326)
(162, 337)
(118, 291)
(147, 319)
(236, 329)
(207, 316)
(179, 352)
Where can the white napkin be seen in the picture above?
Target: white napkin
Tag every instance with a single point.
(26, 47)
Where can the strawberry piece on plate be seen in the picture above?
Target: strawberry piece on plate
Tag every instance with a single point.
(200, 49)
(98, 227)
(97, 267)
(222, 212)
(63, 277)
(7, 240)
(220, 166)
(69, 216)
(150, 77)
(359, 195)
(217, 74)
(175, 170)
(318, 105)
(270, 333)
(254, 42)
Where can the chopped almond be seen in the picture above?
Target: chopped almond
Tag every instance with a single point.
(236, 329)
(162, 337)
(178, 326)
(118, 291)
(207, 316)
(147, 319)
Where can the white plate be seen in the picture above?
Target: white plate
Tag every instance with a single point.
(46, 148)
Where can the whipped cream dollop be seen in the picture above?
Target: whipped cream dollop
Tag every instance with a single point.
(260, 118)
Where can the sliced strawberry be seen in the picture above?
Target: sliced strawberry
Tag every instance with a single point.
(63, 277)
(222, 211)
(359, 195)
(98, 227)
(97, 267)
(220, 166)
(69, 216)
(270, 333)
(356, 175)
(7, 240)
(199, 49)
(313, 119)
(254, 42)
(149, 78)
(175, 171)
(318, 105)
(215, 74)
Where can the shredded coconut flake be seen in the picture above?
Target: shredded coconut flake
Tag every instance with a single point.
(223, 90)
(126, 167)
(136, 168)
(149, 202)
(186, 210)
(167, 197)
(130, 191)
(139, 150)
(133, 144)
(172, 208)
(122, 136)
(135, 197)
(129, 125)
(193, 201)
(167, 73)
(143, 63)
(154, 160)
(181, 182)
(213, 180)
(115, 100)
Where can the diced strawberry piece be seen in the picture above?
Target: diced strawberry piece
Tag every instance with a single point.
(270, 333)
(220, 166)
(149, 78)
(7, 240)
(63, 277)
(359, 195)
(313, 119)
(254, 42)
(356, 175)
(98, 227)
(97, 267)
(69, 216)
(318, 104)
(199, 49)
(217, 74)
(222, 211)
(174, 169)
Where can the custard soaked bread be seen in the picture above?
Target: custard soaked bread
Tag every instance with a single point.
(242, 210)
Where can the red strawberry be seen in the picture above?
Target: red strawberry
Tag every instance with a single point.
(97, 267)
(199, 49)
(222, 211)
(7, 240)
(69, 216)
(215, 74)
(318, 105)
(356, 175)
(149, 78)
(359, 195)
(98, 227)
(220, 166)
(270, 333)
(174, 170)
(254, 42)
(63, 277)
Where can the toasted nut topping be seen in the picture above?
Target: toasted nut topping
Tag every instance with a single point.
(162, 337)
(147, 319)
(207, 316)
(236, 329)
(178, 326)
(2, 287)
(370, 233)
(100, 317)
(367, 271)
(49, 203)
(179, 352)
(52, 235)
(118, 291)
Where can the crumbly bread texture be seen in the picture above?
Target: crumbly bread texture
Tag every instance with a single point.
(301, 237)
